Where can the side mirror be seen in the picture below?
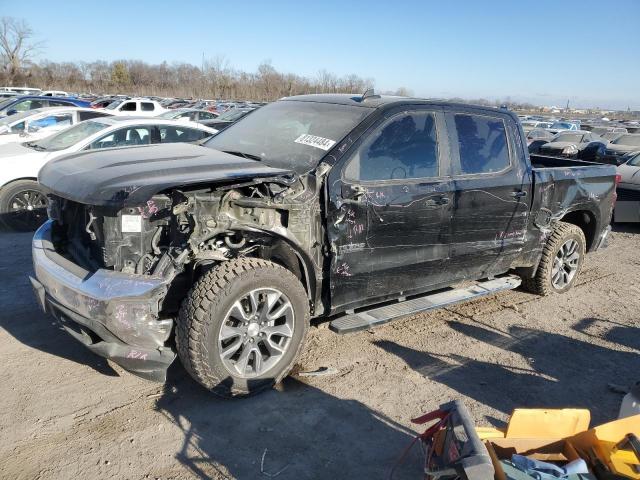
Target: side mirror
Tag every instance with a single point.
(13, 111)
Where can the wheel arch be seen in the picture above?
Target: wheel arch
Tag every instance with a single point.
(13, 180)
(586, 221)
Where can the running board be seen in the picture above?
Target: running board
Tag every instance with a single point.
(377, 316)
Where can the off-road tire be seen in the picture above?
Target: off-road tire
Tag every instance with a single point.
(541, 283)
(7, 193)
(205, 308)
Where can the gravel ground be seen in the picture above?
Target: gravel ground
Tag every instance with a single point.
(66, 413)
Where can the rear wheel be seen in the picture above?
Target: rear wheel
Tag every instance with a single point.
(23, 205)
(561, 262)
(242, 326)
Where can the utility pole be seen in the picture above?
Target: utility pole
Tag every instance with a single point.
(567, 105)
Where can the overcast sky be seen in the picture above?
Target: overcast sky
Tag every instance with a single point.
(543, 51)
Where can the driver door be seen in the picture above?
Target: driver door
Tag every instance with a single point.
(390, 210)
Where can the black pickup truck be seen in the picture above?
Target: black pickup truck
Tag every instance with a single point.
(356, 209)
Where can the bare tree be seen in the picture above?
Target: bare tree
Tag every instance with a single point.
(17, 47)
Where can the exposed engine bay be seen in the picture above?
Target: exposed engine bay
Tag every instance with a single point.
(178, 232)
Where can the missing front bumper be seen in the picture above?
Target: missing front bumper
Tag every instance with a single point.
(114, 315)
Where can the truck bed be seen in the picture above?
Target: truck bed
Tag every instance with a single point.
(562, 185)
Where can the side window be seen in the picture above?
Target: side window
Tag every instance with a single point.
(147, 107)
(170, 134)
(27, 105)
(482, 143)
(207, 116)
(129, 107)
(60, 103)
(82, 116)
(124, 137)
(18, 127)
(403, 147)
(61, 120)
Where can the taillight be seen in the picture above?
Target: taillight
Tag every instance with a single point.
(615, 190)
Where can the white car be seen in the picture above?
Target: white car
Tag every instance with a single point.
(54, 93)
(39, 123)
(135, 106)
(186, 114)
(23, 201)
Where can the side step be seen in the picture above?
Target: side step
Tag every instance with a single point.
(377, 316)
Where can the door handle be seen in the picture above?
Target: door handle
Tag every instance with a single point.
(519, 194)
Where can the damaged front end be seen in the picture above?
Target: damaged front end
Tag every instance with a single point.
(115, 276)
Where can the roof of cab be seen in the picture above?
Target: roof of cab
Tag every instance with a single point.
(376, 101)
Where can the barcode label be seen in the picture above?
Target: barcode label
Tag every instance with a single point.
(313, 141)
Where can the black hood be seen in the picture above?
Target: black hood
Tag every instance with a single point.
(130, 176)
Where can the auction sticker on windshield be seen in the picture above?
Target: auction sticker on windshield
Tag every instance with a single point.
(313, 141)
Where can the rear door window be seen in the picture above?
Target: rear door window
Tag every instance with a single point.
(171, 134)
(147, 107)
(60, 103)
(481, 143)
(82, 116)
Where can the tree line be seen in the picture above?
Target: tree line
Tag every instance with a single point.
(214, 79)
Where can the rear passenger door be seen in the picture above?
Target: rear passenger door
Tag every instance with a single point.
(492, 185)
(390, 230)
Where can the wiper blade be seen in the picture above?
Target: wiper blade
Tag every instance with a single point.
(244, 155)
(34, 145)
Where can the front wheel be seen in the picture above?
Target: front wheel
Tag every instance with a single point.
(242, 325)
(23, 205)
(561, 262)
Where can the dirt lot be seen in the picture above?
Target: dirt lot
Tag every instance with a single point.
(65, 413)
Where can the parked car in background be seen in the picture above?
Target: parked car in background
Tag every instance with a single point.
(191, 114)
(22, 90)
(228, 118)
(628, 189)
(528, 125)
(102, 102)
(54, 93)
(7, 94)
(561, 126)
(604, 130)
(538, 134)
(577, 144)
(42, 122)
(136, 107)
(537, 138)
(23, 201)
(620, 146)
(19, 104)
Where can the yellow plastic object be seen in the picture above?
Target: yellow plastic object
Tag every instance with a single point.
(542, 423)
(572, 425)
(489, 432)
(608, 435)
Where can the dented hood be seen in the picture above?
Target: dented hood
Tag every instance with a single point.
(130, 176)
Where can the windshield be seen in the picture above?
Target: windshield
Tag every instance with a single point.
(68, 137)
(114, 105)
(290, 134)
(632, 140)
(635, 161)
(568, 137)
(562, 125)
